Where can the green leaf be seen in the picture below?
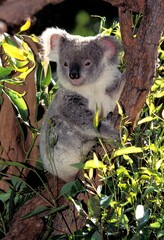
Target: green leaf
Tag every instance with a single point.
(78, 165)
(9, 40)
(5, 196)
(128, 159)
(105, 200)
(155, 225)
(15, 164)
(160, 234)
(127, 150)
(72, 188)
(47, 80)
(142, 221)
(96, 236)
(4, 72)
(122, 171)
(94, 206)
(18, 102)
(148, 191)
(55, 210)
(39, 76)
(35, 212)
(20, 64)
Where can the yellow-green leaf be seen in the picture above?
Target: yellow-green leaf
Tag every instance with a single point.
(95, 158)
(18, 102)
(127, 150)
(34, 38)
(20, 64)
(23, 75)
(13, 51)
(146, 119)
(91, 164)
(96, 118)
(119, 109)
(155, 225)
(26, 25)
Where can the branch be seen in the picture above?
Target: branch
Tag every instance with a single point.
(131, 5)
(15, 12)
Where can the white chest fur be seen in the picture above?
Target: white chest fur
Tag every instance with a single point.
(96, 93)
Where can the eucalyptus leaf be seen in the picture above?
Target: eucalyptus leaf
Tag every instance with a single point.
(127, 150)
(94, 164)
(72, 188)
(26, 26)
(145, 120)
(96, 236)
(142, 221)
(94, 206)
(35, 212)
(56, 209)
(105, 200)
(18, 102)
(4, 72)
(155, 225)
(47, 79)
(160, 234)
(39, 76)
(14, 52)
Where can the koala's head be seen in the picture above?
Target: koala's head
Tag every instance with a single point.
(80, 60)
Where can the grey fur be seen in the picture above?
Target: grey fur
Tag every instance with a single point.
(67, 133)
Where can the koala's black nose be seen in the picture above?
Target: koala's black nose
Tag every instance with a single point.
(74, 71)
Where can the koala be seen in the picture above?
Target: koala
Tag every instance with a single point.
(88, 80)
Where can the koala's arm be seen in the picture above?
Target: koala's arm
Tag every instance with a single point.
(73, 108)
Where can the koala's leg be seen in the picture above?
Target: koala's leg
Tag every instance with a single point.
(61, 146)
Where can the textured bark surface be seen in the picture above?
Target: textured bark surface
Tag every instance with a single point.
(131, 5)
(140, 56)
(16, 12)
(65, 222)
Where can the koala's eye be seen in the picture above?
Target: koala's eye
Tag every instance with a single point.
(65, 64)
(87, 63)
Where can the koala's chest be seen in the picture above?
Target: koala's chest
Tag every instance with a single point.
(98, 98)
(102, 101)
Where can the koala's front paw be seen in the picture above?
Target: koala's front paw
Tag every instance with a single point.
(107, 130)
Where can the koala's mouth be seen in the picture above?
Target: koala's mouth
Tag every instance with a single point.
(77, 82)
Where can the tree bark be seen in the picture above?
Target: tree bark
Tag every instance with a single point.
(21, 10)
(140, 55)
(140, 58)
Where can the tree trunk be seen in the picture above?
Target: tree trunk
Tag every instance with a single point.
(140, 57)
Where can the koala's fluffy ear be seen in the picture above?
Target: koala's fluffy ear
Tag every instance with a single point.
(50, 39)
(110, 47)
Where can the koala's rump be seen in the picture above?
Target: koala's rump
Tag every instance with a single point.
(60, 146)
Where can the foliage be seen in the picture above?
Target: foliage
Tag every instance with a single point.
(16, 62)
(128, 202)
